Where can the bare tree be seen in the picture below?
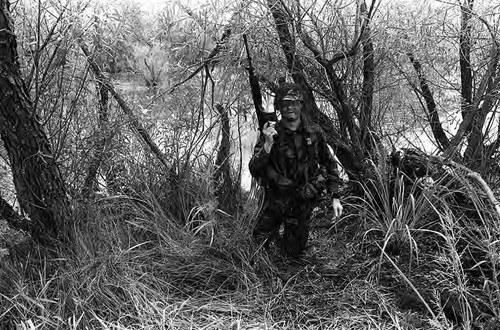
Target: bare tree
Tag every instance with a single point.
(40, 188)
(224, 191)
(479, 83)
(350, 144)
(134, 121)
(103, 135)
(432, 113)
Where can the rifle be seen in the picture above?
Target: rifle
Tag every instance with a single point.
(262, 116)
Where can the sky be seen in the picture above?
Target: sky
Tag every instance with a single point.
(149, 4)
(152, 5)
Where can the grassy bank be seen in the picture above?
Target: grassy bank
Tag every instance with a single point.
(402, 257)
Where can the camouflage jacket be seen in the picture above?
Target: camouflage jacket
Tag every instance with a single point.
(296, 158)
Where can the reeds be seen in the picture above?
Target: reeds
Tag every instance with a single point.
(135, 266)
(452, 217)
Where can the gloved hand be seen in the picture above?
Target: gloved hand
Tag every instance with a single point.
(309, 191)
(269, 133)
(337, 208)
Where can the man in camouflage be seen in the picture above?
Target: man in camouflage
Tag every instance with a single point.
(294, 164)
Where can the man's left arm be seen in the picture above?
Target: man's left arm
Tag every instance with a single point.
(333, 181)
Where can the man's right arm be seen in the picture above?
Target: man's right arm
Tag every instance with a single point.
(261, 153)
(260, 158)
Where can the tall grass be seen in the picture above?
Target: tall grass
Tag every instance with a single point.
(473, 248)
(452, 210)
(394, 207)
(135, 265)
(132, 264)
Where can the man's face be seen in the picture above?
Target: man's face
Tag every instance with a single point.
(291, 107)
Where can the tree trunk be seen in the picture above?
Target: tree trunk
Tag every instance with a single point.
(484, 101)
(103, 133)
(464, 55)
(224, 186)
(485, 98)
(347, 119)
(433, 116)
(133, 120)
(368, 82)
(100, 143)
(475, 148)
(347, 155)
(40, 188)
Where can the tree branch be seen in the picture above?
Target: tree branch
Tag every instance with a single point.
(297, 71)
(485, 93)
(354, 49)
(211, 59)
(464, 55)
(14, 219)
(133, 120)
(345, 114)
(368, 76)
(434, 121)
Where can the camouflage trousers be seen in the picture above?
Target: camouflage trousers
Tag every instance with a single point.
(294, 214)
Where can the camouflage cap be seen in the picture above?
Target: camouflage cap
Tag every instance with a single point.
(293, 96)
(288, 92)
